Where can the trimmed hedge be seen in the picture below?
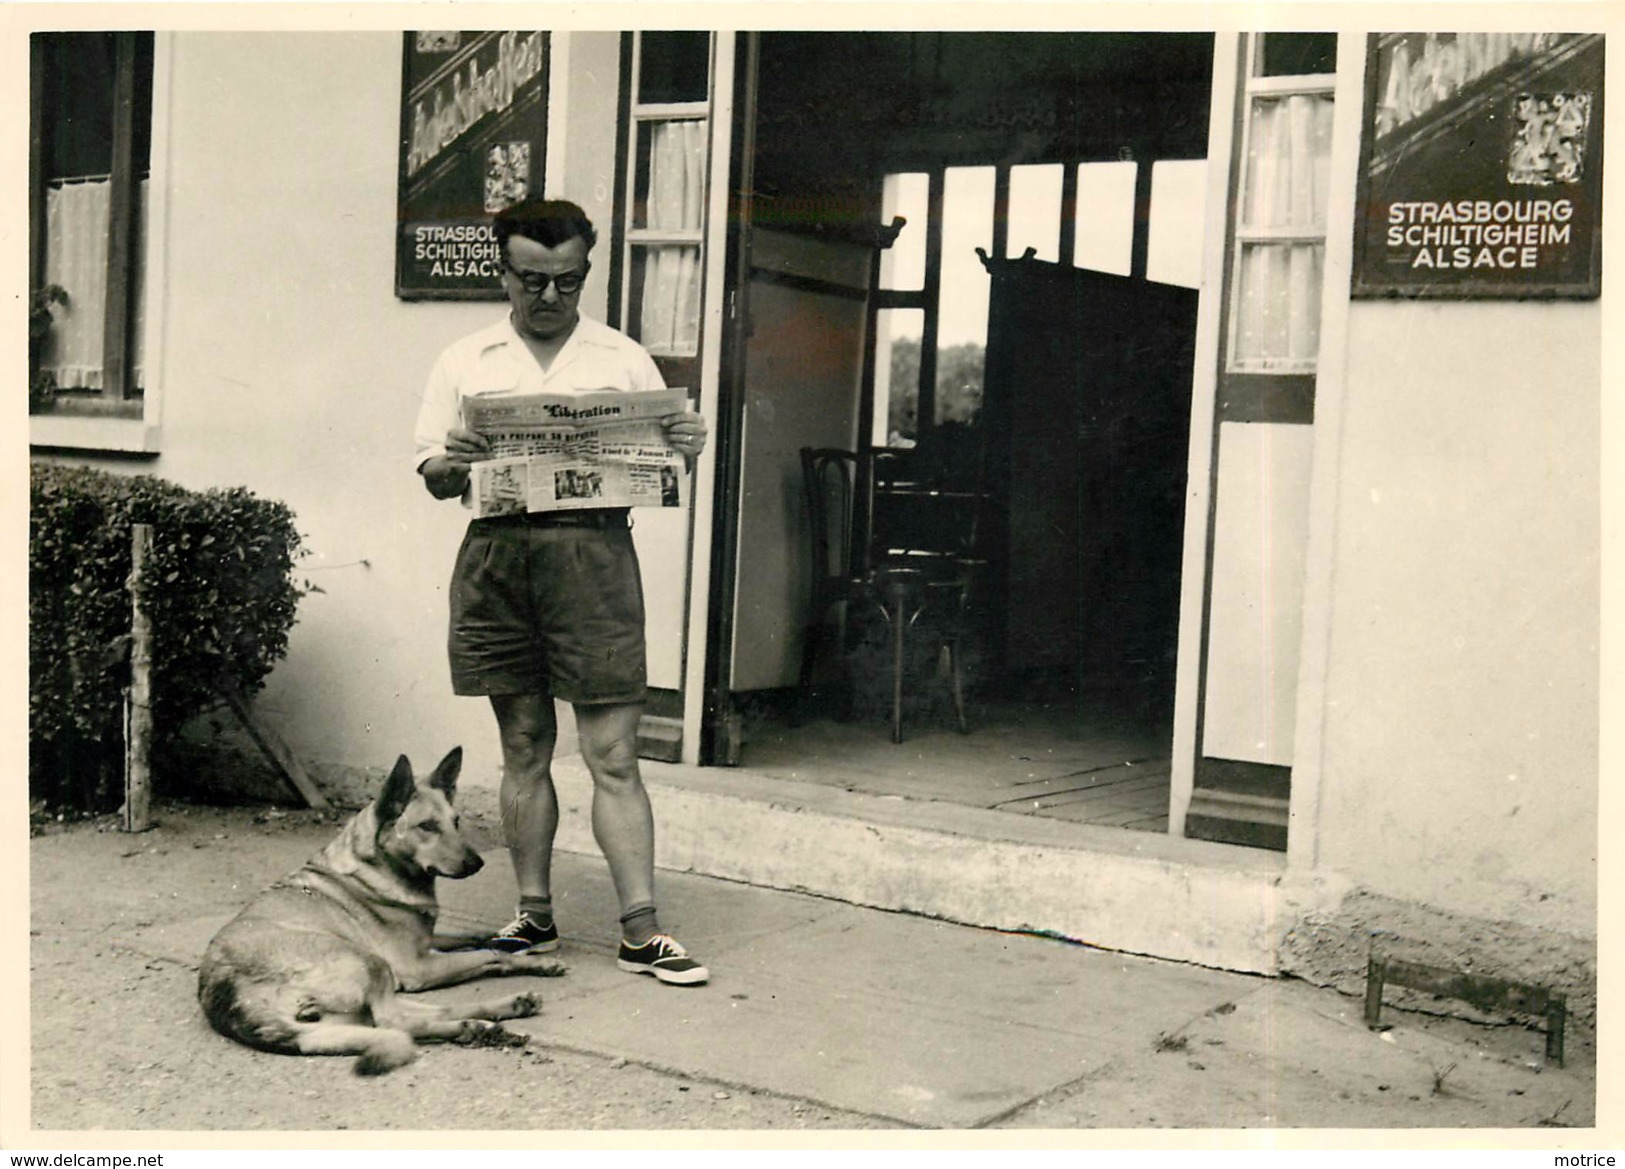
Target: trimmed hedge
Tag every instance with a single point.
(219, 589)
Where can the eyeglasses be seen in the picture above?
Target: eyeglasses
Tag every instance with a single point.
(535, 283)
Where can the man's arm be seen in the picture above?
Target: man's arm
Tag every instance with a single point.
(445, 449)
(446, 475)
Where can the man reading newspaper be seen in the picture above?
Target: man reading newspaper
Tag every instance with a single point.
(546, 595)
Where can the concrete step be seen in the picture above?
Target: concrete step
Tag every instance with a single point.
(1136, 892)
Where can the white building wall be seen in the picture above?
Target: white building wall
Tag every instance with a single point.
(1460, 743)
(291, 368)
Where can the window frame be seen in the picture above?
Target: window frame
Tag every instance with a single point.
(923, 298)
(1286, 377)
(641, 117)
(119, 417)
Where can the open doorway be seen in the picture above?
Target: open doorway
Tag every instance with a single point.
(1037, 307)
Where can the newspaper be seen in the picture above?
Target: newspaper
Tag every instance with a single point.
(553, 452)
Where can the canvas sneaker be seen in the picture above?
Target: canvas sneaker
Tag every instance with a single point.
(523, 935)
(663, 957)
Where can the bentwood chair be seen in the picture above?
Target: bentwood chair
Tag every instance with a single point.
(920, 520)
(828, 478)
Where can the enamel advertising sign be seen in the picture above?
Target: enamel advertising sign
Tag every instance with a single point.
(473, 137)
(1481, 166)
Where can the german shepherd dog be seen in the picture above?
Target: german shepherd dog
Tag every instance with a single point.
(311, 965)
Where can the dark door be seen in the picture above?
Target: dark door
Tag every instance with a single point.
(1088, 414)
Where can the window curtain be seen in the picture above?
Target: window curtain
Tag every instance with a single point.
(671, 273)
(1278, 290)
(76, 219)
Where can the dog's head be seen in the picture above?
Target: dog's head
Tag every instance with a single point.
(418, 829)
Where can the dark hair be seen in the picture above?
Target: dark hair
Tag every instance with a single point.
(550, 222)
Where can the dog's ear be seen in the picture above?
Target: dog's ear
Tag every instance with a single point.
(444, 777)
(397, 793)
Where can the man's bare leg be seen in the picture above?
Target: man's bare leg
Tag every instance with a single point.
(622, 821)
(530, 807)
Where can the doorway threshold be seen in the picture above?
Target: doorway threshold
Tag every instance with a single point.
(1071, 761)
(1143, 893)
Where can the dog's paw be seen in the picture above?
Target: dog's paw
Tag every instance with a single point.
(539, 965)
(523, 1006)
(483, 1033)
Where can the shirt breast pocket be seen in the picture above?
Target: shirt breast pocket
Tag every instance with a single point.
(485, 384)
(491, 382)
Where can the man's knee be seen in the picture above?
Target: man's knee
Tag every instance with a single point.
(528, 752)
(528, 733)
(611, 753)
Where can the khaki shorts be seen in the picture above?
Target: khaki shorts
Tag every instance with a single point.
(549, 605)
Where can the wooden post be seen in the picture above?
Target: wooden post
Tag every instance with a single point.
(138, 697)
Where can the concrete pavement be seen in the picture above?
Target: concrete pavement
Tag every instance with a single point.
(923, 1023)
(819, 1012)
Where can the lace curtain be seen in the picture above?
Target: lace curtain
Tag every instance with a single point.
(76, 218)
(670, 321)
(1278, 289)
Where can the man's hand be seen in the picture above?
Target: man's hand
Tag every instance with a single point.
(686, 432)
(447, 475)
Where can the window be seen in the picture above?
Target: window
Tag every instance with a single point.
(1105, 217)
(1298, 54)
(931, 318)
(1035, 212)
(961, 333)
(1281, 231)
(1178, 195)
(899, 323)
(931, 306)
(90, 148)
(670, 147)
(902, 266)
(897, 375)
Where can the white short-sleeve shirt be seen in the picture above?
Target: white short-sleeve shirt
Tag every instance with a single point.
(497, 361)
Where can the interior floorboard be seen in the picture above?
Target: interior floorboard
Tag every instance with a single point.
(1080, 760)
